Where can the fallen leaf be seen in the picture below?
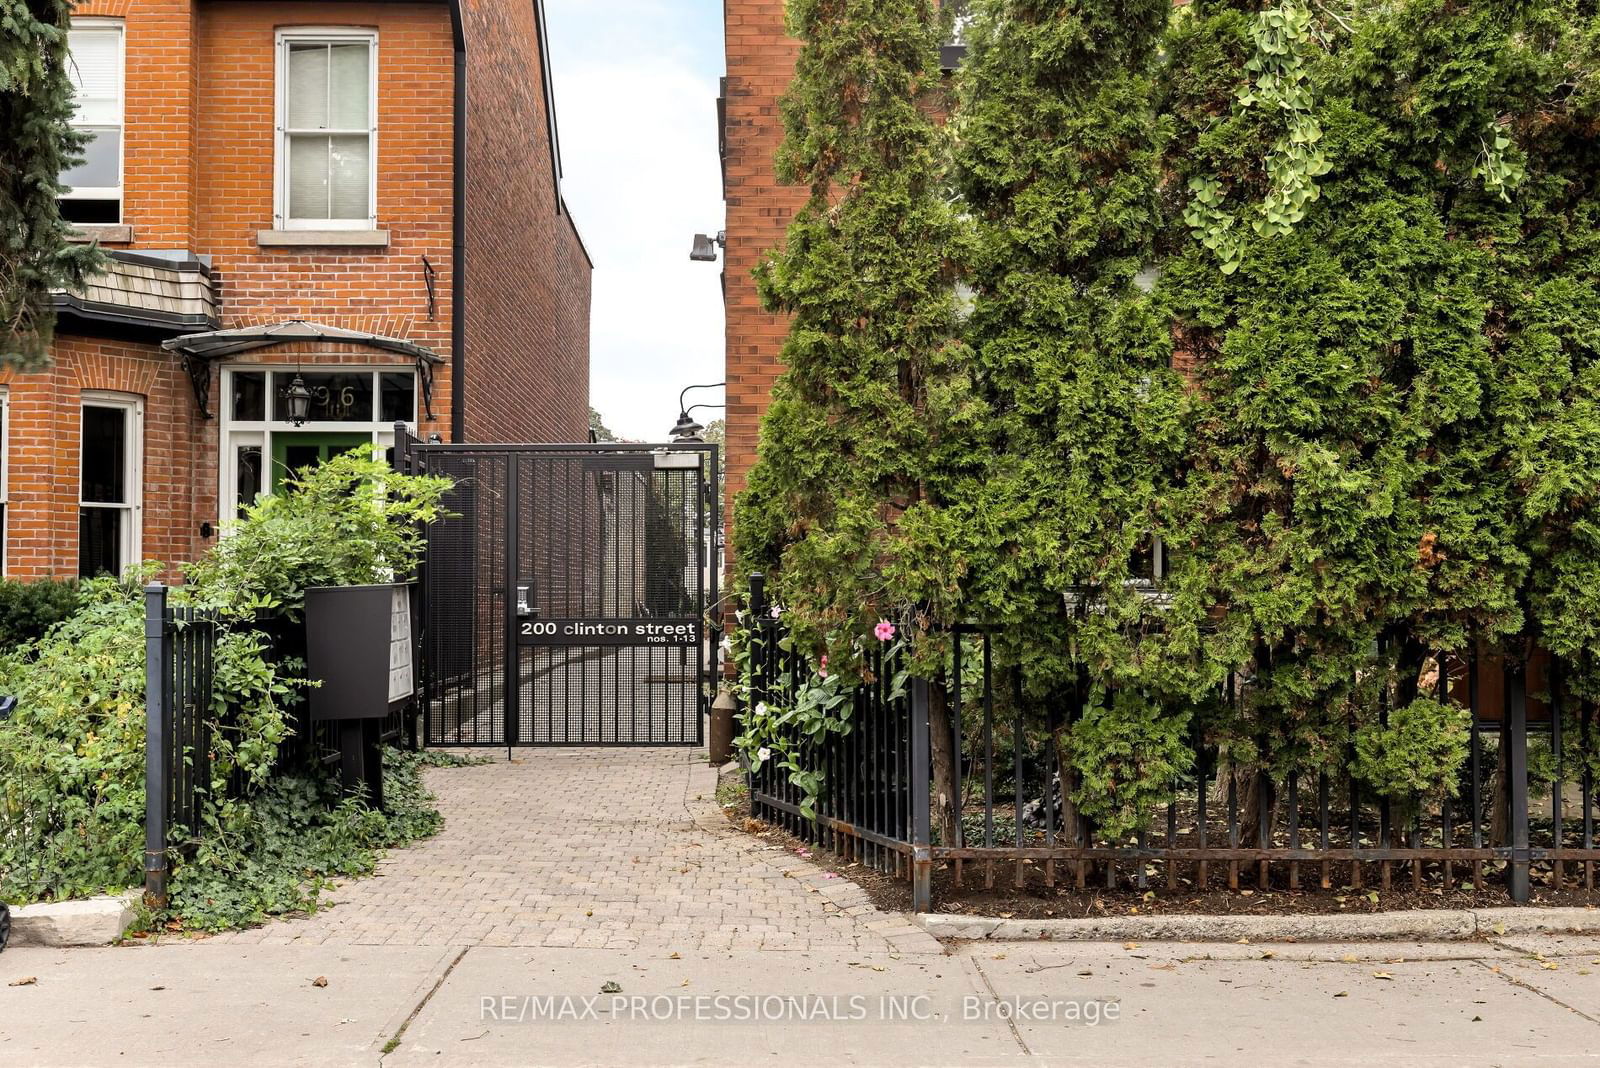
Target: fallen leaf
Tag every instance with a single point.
(675, 955)
(1349, 958)
(1550, 966)
(1342, 994)
(321, 980)
(1130, 945)
(1382, 975)
(611, 986)
(26, 980)
(999, 956)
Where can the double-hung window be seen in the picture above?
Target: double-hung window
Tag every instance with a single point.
(110, 473)
(327, 129)
(94, 187)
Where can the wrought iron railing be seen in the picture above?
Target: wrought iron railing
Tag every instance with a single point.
(180, 670)
(1225, 826)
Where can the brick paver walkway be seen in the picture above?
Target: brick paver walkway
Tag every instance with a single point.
(613, 848)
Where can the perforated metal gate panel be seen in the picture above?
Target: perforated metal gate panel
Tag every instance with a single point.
(564, 601)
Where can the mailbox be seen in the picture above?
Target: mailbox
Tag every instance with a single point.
(359, 650)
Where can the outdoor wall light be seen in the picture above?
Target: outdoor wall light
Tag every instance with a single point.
(298, 401)
(705, 247)
(687, 431)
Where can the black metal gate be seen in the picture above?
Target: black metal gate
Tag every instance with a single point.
(564, 602)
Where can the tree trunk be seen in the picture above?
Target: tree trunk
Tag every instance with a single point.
(1250, 801)
(946, 815)
(1500, 805)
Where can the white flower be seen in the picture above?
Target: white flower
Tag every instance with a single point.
(763, 755)
(727, 645)
(761, 710)
(777, 612)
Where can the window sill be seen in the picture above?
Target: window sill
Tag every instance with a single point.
(322, 238)
(105, 233)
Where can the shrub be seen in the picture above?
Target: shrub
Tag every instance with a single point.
(1417, 753)
(29, 609)
(350, 521)
(72, 755)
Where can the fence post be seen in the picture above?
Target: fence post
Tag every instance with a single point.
(755, 669)
(921, 772)
(156, 743)
(1516, 710)
(400, 464)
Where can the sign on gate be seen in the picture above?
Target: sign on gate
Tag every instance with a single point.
(610, 632)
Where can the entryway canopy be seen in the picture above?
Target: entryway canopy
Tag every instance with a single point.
(200, 350)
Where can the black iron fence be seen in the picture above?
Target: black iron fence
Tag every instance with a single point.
(180, 666)
(872, 804)
(1522, 808)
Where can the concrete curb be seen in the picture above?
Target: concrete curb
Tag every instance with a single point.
(92, 921)
(1441, 925)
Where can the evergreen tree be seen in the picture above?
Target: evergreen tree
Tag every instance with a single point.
(35, 112)
(1350, 271)
(1071, 428)
(841, 486)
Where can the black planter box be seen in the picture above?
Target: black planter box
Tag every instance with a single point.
(359, 650)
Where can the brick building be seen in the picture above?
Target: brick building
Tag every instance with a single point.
(760, 64)
(282, 193)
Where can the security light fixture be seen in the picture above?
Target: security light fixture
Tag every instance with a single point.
(298, 400)
(705, 247)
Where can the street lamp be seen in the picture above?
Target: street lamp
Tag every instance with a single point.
(298, 400)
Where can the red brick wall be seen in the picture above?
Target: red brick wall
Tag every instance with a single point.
(198, 175)
(760, 64)
(527, 328)
(46, 421)
(377, 290)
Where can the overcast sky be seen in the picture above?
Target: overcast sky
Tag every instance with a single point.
(636, 92)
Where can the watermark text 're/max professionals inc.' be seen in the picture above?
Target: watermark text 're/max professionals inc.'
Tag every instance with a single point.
(794, 1008)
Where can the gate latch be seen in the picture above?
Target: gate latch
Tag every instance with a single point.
(525, 607)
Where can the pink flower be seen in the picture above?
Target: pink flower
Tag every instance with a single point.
(822, 672)
(884, 630)
(777, 611)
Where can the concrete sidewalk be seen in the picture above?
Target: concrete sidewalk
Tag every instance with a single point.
(1520, 1001)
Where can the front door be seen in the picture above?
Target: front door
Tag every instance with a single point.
(294, 452)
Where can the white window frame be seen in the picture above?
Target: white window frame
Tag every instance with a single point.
(280, 169)
(132, 544)
(108, 192)
(236, 432)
